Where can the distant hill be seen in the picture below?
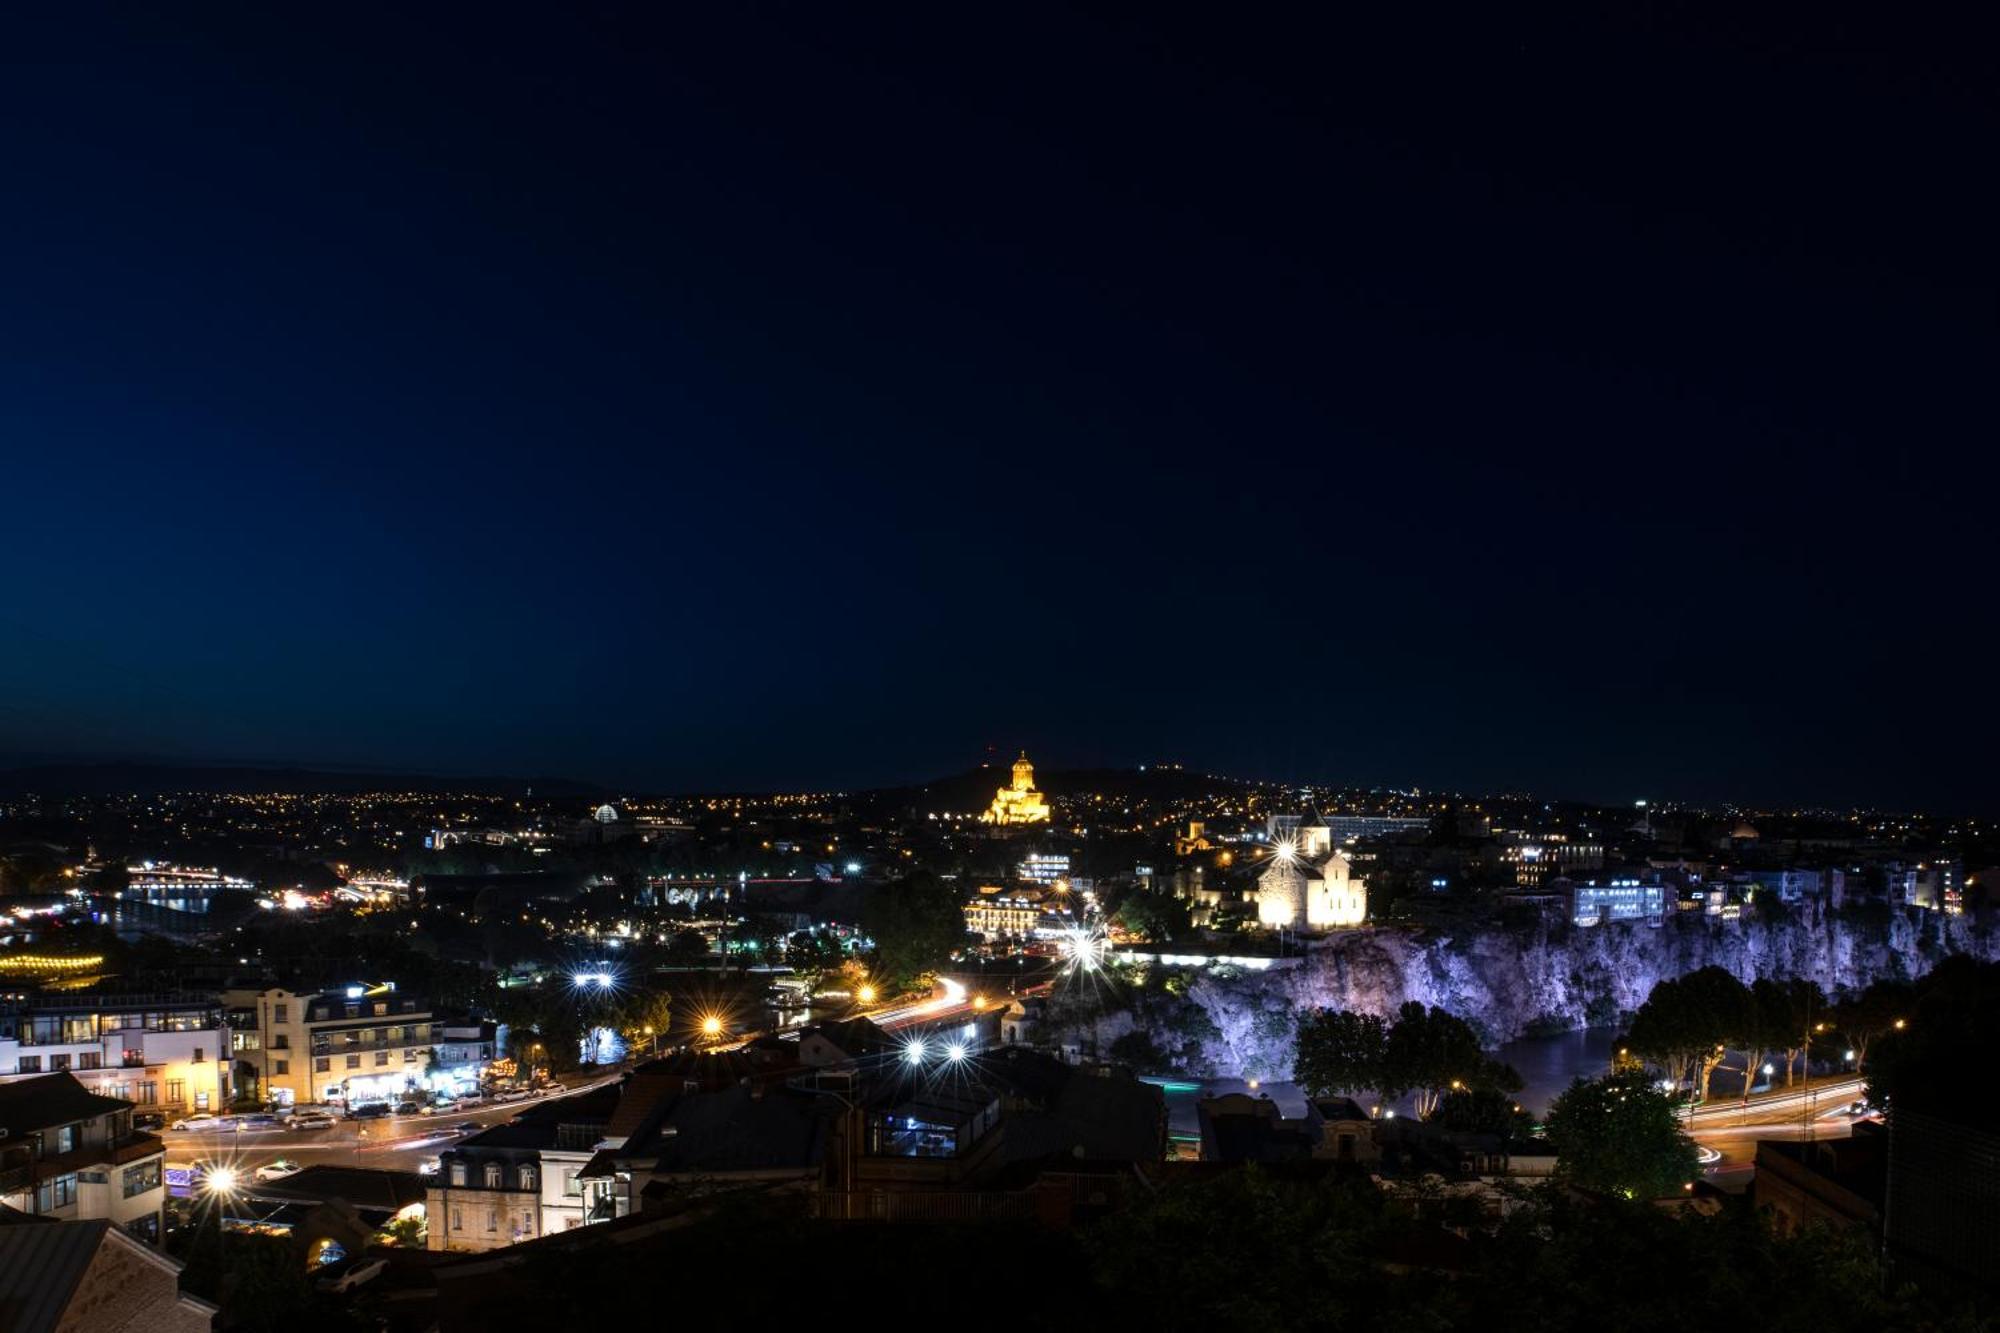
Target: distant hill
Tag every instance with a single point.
(110, 779)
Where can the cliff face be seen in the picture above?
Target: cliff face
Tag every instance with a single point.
(1508, 983)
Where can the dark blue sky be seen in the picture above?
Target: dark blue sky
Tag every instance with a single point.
(789, 395)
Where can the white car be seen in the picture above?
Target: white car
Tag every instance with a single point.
(312, 1120)
(199, 1120)
(277, 1170)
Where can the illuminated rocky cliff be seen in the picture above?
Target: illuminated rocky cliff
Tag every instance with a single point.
(1513, 982)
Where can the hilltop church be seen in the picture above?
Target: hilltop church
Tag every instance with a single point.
(1018, 802)
(1309, 884)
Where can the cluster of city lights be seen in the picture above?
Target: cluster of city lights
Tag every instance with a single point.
(917, 1051)
(1084, 948)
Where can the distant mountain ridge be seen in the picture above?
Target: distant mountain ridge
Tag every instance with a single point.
(147, 779)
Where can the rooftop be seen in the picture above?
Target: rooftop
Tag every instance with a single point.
(53, 1099)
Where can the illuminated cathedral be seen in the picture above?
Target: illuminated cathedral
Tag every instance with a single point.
(1018, 802)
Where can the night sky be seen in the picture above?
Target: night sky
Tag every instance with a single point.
(740, 395)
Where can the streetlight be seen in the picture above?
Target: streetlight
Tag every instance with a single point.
(711, 1027)
(221, 1180)
(913, 1050)
(866, 994)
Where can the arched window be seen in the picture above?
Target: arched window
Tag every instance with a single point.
(527, 1177)
(493, 1175)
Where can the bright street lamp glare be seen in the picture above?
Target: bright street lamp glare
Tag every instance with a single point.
(867, 995)
(711, 1026)
(580, 980)
(955, 1051)
(221, 1180)
(914, 1052)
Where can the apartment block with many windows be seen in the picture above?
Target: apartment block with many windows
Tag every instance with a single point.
(164, 1053)
(356, 1044)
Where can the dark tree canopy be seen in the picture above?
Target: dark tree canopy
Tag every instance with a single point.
(1620, 1135)
(1427, 1051)
(916, 923)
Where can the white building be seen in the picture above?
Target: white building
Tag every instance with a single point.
(69, 1154)
(1299, 890)
(1595, 903)
(164, 1053)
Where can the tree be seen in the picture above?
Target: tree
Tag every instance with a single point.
(1426, 1051)
(1923, 1062)
(1865, 1015)
(1158, 917)
(813, 956)
(1483, 1111)
(1619, 1134)
(1687, 1023)
(1431, 1051)
(1786, 1013)
(916, 923)
(643, 1015)
(1340, 1050)
(687, 946)
(408, 1232)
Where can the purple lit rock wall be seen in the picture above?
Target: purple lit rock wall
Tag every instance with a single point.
(1548, 977)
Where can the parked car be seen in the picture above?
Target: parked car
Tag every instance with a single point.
(372, 1111)
(199, 1120)
(408, 1108)
(468, 1126)
(149, 1120)
(312, 1120)
(277, 1170)
(259, 1121)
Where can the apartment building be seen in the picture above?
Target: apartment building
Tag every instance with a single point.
(163, 1053)
(70, 1154)
(354, 1044)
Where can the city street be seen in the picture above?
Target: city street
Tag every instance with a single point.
(392, 1143)
(1733, 1128)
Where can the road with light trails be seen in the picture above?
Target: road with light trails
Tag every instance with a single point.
(1782, 1104)
(1734, 1130)
(401, 1143)
(391, 1143)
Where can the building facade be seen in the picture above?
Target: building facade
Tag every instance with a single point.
(70, 1154)
(164, 1053)
(356, 1045)
(1297, 892)
(1596, 902)
(1002, 915)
